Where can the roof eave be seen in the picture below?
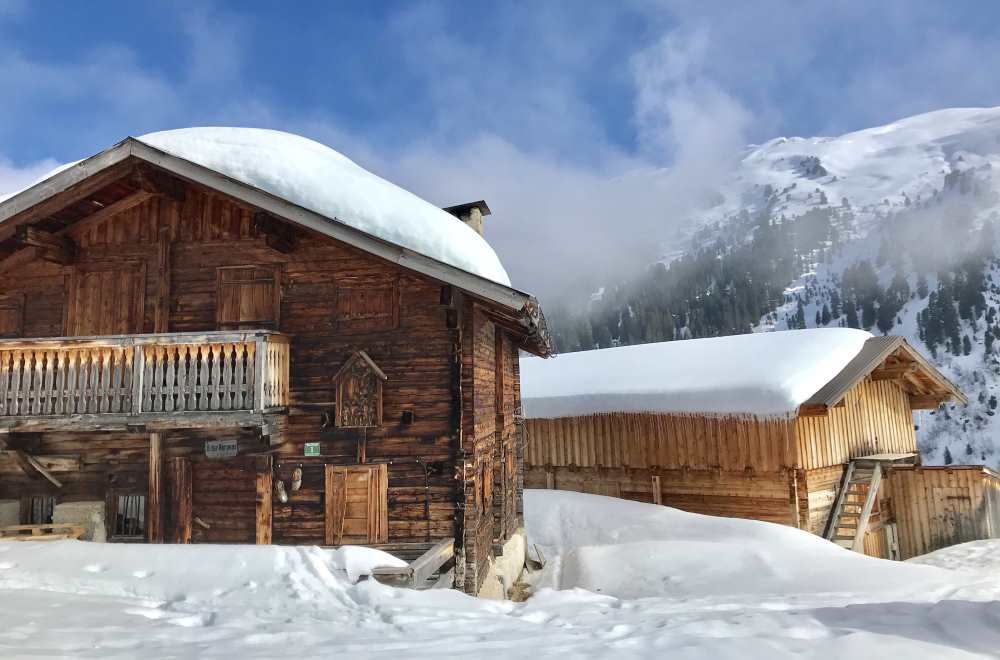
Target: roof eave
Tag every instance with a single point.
(482, 287)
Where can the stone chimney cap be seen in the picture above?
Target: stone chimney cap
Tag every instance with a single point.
(462, 209)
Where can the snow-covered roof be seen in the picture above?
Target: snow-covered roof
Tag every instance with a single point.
(315, 177)
(766, 374)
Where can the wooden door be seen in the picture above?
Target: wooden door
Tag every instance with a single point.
(230, 501)
(356, 504)
(106, 299)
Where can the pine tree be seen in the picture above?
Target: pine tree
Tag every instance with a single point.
(825, 315)
(948, 460)
(966, 345)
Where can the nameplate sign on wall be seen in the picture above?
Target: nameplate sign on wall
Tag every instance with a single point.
(312, 449)
(221, 448)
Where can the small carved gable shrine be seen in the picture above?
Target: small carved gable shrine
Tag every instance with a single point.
(359, 393)
(240, 336)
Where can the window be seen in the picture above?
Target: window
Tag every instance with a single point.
(129, 517)
(366, 304)
(11, 315)
(37, 509)
(248, 297)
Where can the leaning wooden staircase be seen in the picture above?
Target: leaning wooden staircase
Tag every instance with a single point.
(855, 501)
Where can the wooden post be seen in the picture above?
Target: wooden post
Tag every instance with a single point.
(265, 510)
(154, 499)
(657, 490)
(181, 499)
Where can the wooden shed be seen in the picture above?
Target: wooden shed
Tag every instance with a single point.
(806, 428)
(196, 350)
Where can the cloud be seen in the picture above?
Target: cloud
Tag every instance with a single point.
(14, 178)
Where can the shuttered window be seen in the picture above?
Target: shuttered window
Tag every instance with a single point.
(11, 316)
(367, 304)
(107, 299)
(248, 298)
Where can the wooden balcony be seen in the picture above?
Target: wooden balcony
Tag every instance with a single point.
(172, 380)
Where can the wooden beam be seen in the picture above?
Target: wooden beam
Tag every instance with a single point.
(180, 498)
(154, 498)
(812, 410)
(893, 372)
(277, 234)
(157, 182)
(925, 402)
(52, 463)
(50, 247)
(60, 200)
(18, 259)
(109, 211)
(28, 463)
(265, 510)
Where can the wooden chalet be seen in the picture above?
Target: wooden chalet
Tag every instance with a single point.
(843, 462)
(190, 358)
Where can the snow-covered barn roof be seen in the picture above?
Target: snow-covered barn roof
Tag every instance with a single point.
(312, 185)
(765, 374)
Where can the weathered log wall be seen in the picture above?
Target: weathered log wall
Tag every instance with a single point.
(440, 411)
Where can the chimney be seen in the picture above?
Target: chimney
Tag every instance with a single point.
(471, 214)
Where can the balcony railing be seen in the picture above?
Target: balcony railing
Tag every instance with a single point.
(143, 375)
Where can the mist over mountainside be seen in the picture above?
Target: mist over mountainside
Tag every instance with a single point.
(890, 229)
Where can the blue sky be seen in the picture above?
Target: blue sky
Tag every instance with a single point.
(544, 108)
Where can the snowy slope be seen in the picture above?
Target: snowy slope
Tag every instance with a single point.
(874, 169)
(671, 584)
(937, 170)
(742, 374)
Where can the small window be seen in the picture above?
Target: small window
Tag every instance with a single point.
(248, 298)
(37, 509)
(130, 517)
(11, 316)
(366, 305)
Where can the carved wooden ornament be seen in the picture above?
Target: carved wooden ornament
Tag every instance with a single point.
(359, 393)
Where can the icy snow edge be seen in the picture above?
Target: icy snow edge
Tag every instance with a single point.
(766, 374)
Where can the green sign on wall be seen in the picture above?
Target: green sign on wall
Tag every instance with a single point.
(312, 449)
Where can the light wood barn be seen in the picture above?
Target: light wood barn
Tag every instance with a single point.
(187, 358)
(842, 464)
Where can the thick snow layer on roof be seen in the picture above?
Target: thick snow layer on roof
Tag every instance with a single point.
(767, 374)
(320, 179)
(316, 177)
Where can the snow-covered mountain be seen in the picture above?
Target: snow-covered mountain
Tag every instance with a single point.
(889, 229)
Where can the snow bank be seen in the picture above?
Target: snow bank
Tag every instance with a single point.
(972, 556)
(322, 180)
(766, 374)
(635, 550)
(189, 573)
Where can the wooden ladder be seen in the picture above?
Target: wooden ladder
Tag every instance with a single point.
(855, 501)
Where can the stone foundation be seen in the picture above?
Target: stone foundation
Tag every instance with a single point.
(90, 514)
(10, 513)
(505, 569)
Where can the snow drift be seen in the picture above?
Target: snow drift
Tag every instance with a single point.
(651, 550)
(765, 374)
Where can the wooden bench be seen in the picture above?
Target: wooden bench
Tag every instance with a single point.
(42, 532)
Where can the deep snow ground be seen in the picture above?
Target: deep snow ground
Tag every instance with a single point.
(658, 582)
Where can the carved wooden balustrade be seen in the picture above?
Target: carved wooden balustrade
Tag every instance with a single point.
(138, 376)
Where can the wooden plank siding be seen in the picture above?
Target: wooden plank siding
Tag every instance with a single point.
(739, 467)
(935, 507)
(444, 431)
(875, 419)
